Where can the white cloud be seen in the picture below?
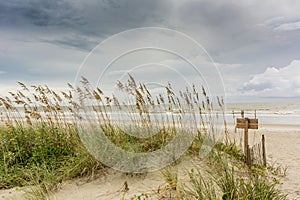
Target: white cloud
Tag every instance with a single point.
(2, 72)
(276, 82)
(288, 26)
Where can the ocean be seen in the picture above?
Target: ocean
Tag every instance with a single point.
(267, 113)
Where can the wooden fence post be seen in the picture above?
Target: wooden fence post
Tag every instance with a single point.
(246, 138)
(264, 150)
(249, 159)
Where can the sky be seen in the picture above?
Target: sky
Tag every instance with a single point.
(255, 45)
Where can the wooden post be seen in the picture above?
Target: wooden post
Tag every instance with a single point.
(248, 158)
(246, 138)
(264, 151)
(246, 123)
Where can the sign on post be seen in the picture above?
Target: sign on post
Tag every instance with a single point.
(252, 123)
(246, 123)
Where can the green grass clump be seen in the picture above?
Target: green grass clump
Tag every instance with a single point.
(42, 154)
(221, 179)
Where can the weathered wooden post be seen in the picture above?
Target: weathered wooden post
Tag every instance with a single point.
(246, 136)
(246, 123)
(248, 158)
(264, 151)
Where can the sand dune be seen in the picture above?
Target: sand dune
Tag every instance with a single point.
(283, 148)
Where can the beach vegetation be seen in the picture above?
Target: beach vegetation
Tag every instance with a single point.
(41, 133)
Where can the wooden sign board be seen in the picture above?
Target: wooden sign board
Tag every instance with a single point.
(252, 123)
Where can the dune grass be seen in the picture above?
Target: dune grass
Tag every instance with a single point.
(43, 156)
(224, 180)
(41, 144)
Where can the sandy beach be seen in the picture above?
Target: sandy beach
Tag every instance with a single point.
(283, 147)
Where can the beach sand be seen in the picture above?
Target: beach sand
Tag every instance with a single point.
(282, 146)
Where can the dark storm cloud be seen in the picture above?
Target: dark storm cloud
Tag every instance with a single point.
(211, 13)
(36, 35)
(229, 21)
(220, 26)
(107, 17)
(242, 32)
(93, 19)
(76, 41)
(39, 13)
